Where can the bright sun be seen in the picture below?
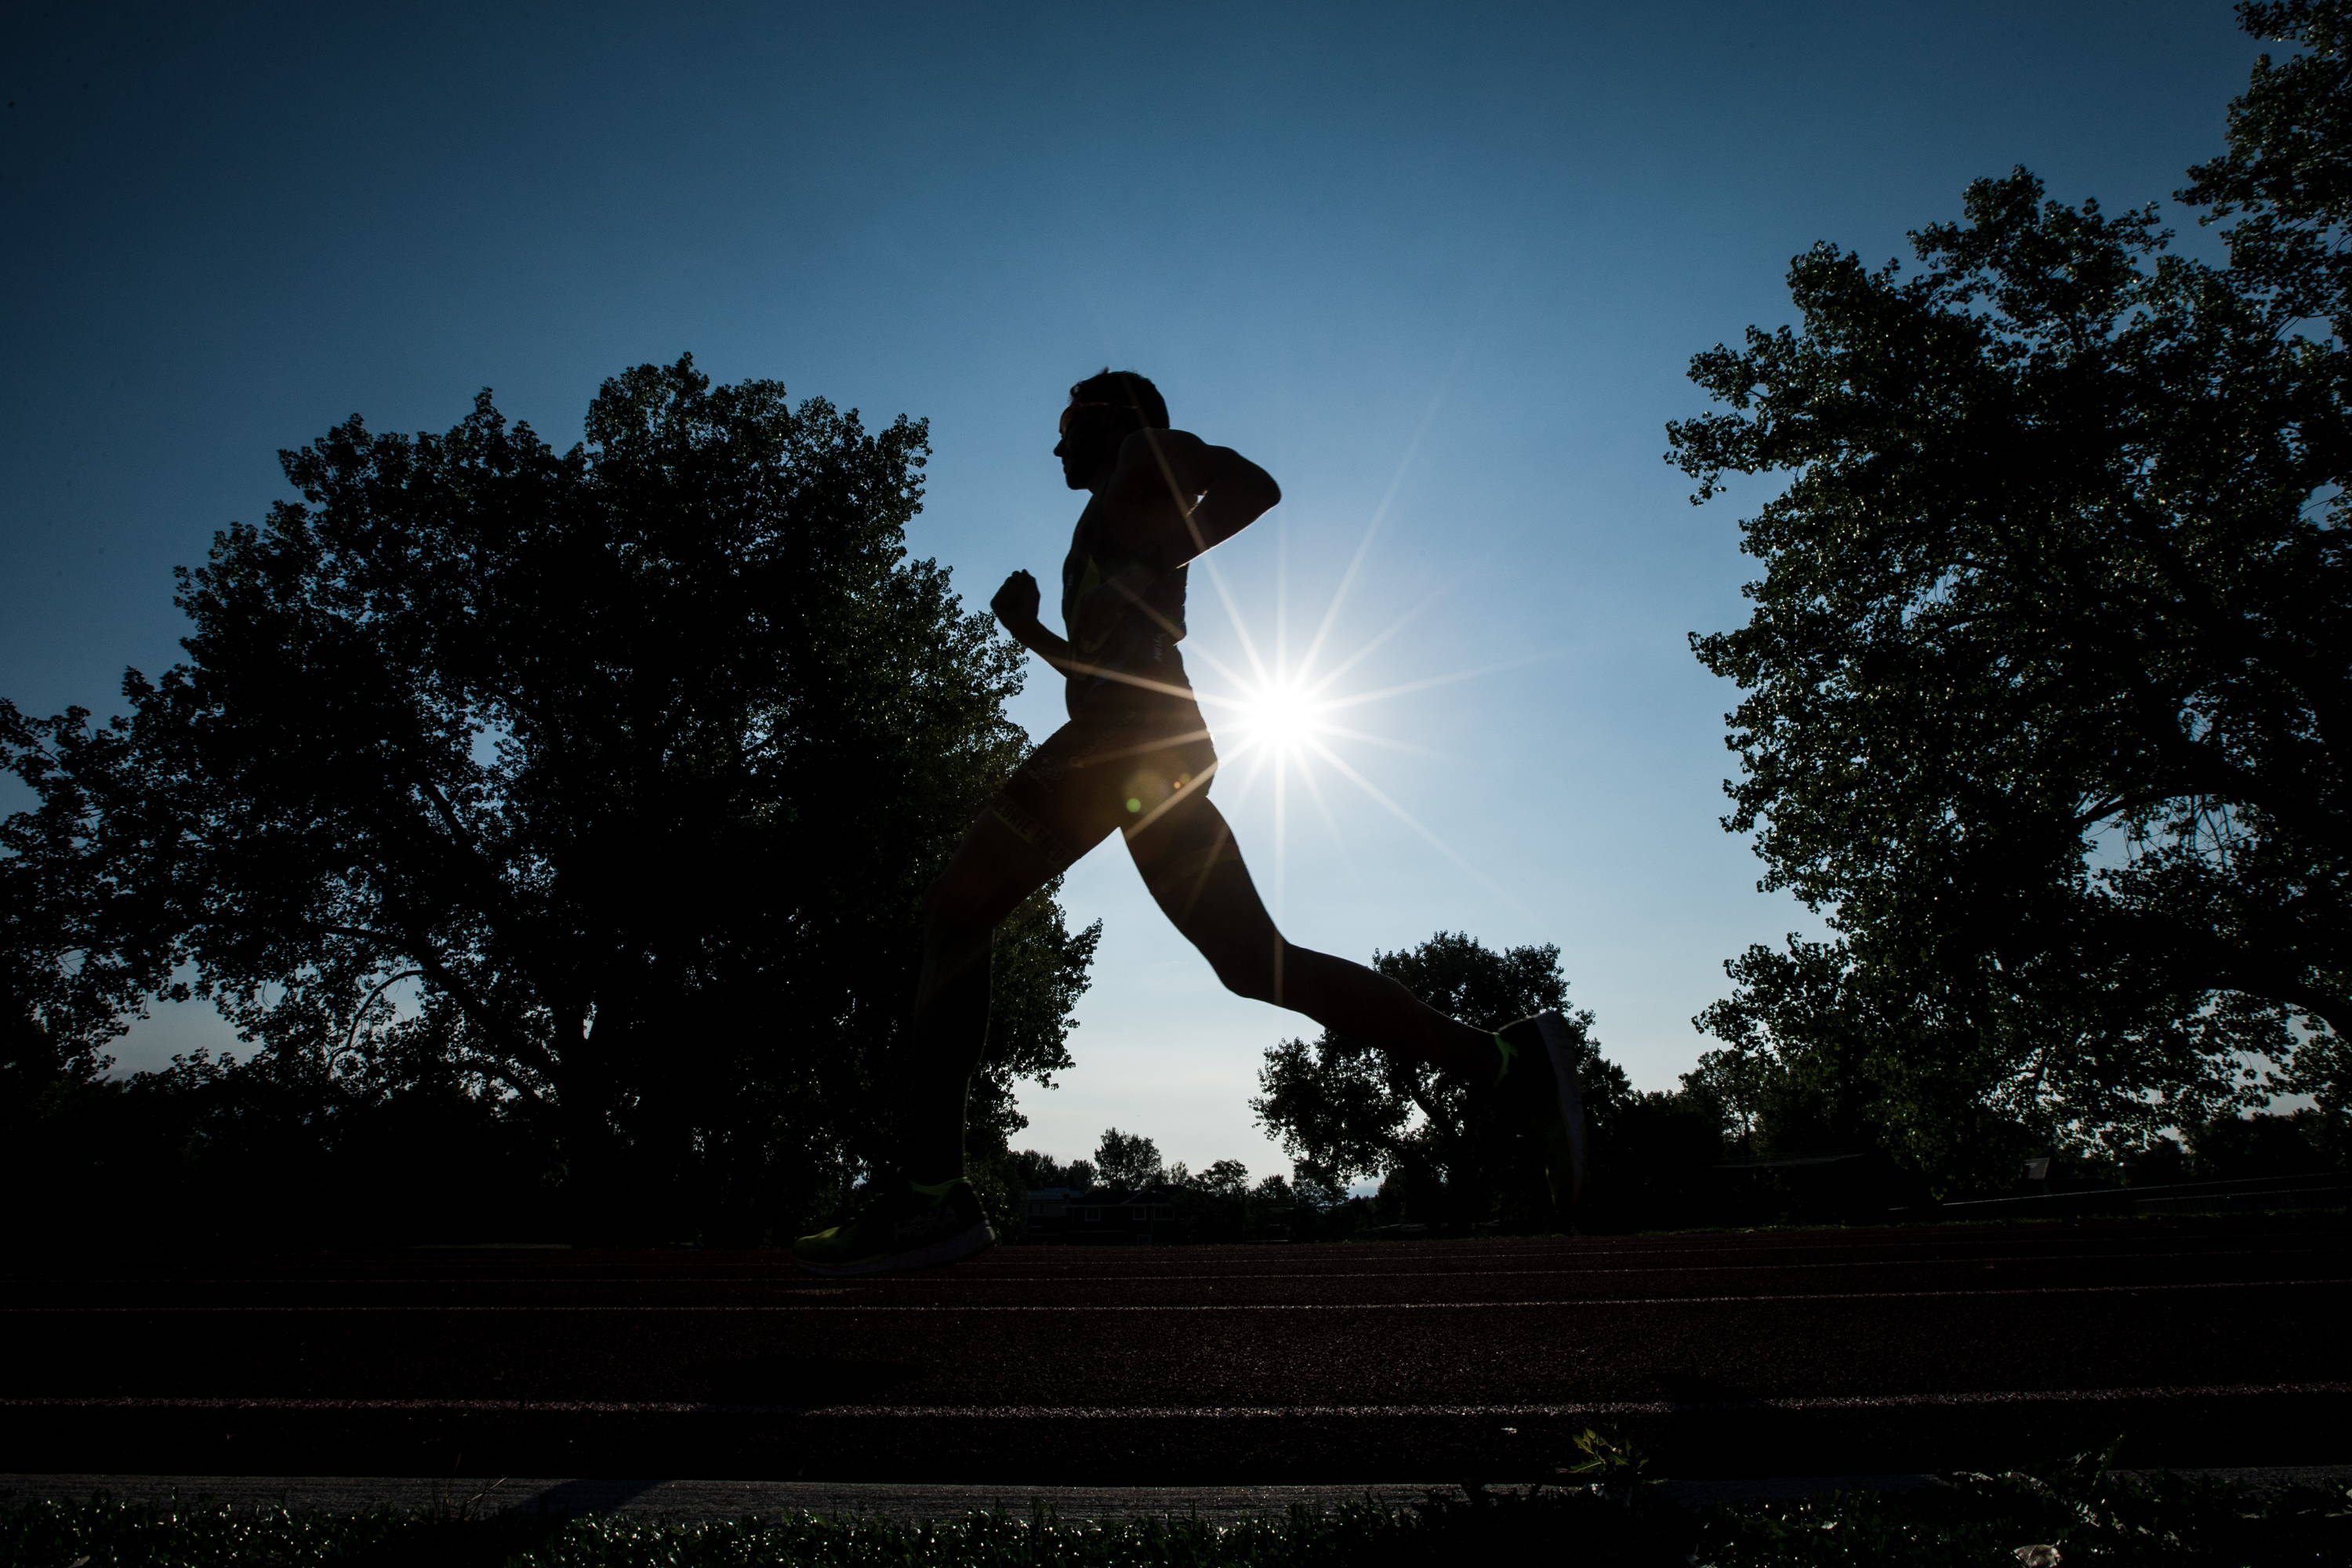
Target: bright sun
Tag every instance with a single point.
(1283, 716)
(1288, 718)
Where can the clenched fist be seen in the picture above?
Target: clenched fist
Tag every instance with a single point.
(1015, 604)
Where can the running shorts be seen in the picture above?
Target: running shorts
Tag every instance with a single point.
(1128, 767)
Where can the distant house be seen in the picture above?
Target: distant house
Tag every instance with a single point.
(1811, 1189)
(1047, 1209)
(1103, 1216)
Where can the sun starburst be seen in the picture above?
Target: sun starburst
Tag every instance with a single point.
(1280, 721)
(1283, 715)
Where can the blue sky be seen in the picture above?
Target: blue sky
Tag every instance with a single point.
(1437, 268)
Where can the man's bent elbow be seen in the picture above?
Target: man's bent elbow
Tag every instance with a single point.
(1251, 493)
(1258, 485)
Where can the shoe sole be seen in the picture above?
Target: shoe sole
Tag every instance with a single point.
(1559, 1046)
(964, 1244)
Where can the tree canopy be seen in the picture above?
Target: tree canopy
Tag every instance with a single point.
(1127, 1160)
(607, 780)
(1346, 1110)
(2047, 683)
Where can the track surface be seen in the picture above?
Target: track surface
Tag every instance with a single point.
(2218, 1343)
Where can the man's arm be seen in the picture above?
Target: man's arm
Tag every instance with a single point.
(1173, 490)
(1015, 606)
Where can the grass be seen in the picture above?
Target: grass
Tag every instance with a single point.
(2086, 1513)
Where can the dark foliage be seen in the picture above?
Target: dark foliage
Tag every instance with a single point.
(1347, 1111)
(2048, 682)
(1127, 1160)
(2240, 1148)
(596, 791)
(2079, 1514)
(1036, 1172)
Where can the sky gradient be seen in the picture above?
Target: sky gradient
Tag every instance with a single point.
(1439, 268)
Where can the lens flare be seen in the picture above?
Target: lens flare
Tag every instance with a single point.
(1279, 722)
(1281, 715)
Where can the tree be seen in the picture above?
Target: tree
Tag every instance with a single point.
(1346, 1110)
(2046, 691)
(68, 982)
(1034, 1171)
(2236, 1148)
(1127, 1160)
(2284, 185)
(627, 767)
(2284, 189)
(1225, 1179)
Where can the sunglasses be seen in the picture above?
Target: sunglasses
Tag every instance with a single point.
(1073, 407)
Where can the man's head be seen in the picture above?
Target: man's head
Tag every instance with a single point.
(1104, 411)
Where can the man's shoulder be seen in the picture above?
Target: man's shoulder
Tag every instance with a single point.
(1179, 444)
(1150, 437)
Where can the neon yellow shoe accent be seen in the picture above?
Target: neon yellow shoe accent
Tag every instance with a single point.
(1510, 1054)
(913, 1227)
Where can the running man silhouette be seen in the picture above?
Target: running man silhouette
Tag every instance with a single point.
(1135, 758)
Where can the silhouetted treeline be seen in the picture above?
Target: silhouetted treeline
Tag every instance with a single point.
(552, 825)
(2043, 701)
(1445, 1157)
(1739, 1141)
(210, 1152)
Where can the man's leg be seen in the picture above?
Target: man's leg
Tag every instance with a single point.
(1047, 817)
(995, 869)
(924, 1212)
(1194, 869)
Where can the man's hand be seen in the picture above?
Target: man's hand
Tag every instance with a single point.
(1016, 610)
(1015, 605)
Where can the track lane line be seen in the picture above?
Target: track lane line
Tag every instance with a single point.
(1815, 1297)
(1929, 1401)
(980, 1268)
(912, 1280)
(935, 1282)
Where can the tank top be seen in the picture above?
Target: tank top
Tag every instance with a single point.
(1124, 613)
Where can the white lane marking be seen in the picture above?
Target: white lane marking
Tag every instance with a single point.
(1181, 1412)
(1809, 1296)
(1668, 1268)
(1461, 1249)
(979, 1269)
(962, 1278)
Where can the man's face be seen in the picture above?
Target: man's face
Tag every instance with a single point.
(1082, 443)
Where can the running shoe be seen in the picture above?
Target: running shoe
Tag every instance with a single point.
(905, 1229)
(1540, 1084)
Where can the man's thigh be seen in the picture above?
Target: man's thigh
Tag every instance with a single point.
(1052, 803)
(991, 872)
(1089, 777)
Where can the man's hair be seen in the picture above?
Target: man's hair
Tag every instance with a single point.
(1126, 392)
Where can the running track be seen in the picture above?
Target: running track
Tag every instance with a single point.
(2203, 1341)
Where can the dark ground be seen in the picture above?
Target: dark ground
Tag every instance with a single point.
(2201, 1343)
